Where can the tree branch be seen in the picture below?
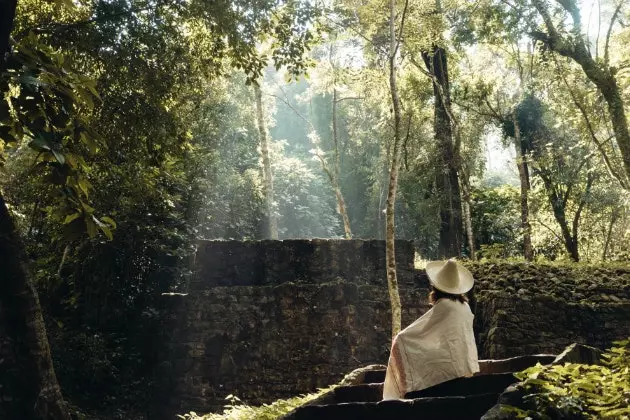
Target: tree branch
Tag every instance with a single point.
(612, 23)
(402, 25)
(550, 230)
(591, 130)
(573, 9)
(406, 139)
(349, 98)
(544, 13)
(576, 218)
(298, 113)
(440, 90)
(574, 178)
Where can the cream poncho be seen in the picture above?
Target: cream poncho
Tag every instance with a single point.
(437, 347)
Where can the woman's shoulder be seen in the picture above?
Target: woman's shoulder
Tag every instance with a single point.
(451, 305)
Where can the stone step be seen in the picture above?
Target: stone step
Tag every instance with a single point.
(512, 364)
(374, 376)
(474, 385)
(359, 393)
(481, 384)
(470, 407)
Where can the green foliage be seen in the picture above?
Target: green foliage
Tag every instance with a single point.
(579, 391)
(496, 221)
(236, 410)
(47, 104)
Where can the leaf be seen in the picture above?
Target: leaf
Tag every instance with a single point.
(71, 217)
(109, 220)
(91, 226)
(89, 142)
(40, 144)
(107, 231)
(84, 185)
(59, 156)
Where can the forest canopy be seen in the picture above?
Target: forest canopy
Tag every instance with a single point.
(130, 129)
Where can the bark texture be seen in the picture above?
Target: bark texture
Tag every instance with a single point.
(558, 202)
(32, 384)
(34, 392)
(334, 180)
(272, 221)
(466, 203)
(523, 174)
(390, 252)
(447, 178)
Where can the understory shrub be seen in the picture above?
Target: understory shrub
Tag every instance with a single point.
(236, 410)
(578, 391)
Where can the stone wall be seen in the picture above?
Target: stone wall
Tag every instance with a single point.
(271, 319)
(526, 308)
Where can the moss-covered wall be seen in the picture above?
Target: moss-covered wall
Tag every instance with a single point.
(528, 308)
(271, 319)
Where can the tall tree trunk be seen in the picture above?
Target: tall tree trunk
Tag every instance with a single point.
(33, 384)
(559, 213)
(613, 219)
(341, 203)
(272, 226)
(390, 252)
(523, 174)
(447, 179)
(467, 214)
(612, 95)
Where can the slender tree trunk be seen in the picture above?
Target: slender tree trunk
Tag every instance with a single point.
(29, 388)
(559, 213)
(267, 174)
(467, 215)
(613, 219)
(390, 253)
(523, 174)
(33, 384)
(447, 179)
(341, 203)
(63, 259)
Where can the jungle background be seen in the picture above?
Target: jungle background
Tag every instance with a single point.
(131, 128)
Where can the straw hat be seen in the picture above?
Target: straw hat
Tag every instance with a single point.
(450, 277)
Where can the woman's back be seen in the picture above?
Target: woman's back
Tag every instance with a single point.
(437, 347)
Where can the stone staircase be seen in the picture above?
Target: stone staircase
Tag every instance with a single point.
(460, 399)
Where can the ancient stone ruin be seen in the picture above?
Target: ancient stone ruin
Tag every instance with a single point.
(272, 319)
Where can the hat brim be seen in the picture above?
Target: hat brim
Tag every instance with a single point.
(466, 280)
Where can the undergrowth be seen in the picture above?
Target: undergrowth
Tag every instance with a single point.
(578, 391)
(235, 409)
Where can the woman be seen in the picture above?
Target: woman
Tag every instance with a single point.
(440, 345)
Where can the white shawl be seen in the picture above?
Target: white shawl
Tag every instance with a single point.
(437, 347)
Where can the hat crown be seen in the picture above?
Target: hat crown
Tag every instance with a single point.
(449, 276)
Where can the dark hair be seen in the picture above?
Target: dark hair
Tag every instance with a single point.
(436, 294)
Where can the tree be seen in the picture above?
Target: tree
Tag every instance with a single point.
(523, 175)
(447, 177)
(56, 108)
(272, 222)
(564, 170)
(390, 254)
(37, 391)
(571, 43)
